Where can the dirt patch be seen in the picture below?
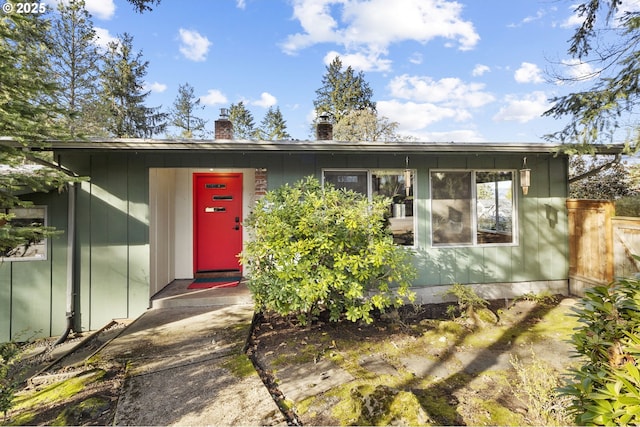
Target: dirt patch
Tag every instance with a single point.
(88, 396)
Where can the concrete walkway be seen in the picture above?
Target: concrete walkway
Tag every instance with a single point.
(185, 366)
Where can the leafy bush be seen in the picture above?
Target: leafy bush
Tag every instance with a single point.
(317, 249)
(606, 389)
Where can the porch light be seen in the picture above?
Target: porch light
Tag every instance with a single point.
(525, 177)
(407, 177)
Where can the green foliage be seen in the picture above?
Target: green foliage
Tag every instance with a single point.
(610, 183)
(122, 90)
(628, 206)
(75, 61)
(597, 114)
(29, 116)
(468, 300)
(182, 115)
(317, 248)
(242, 120)
(365, 125)
(343, 91)
(273, 127)
(8, 356)
(606, 389)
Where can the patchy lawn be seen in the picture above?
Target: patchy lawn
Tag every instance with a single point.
(417, 366)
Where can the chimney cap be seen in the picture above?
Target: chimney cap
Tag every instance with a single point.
(224, 113)
(324, 117)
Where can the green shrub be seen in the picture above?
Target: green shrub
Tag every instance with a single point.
(606, 388)
(628, 206)
(468, 300)
(315, 249)
(8, 356)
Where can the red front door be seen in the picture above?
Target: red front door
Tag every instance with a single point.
(217, 215)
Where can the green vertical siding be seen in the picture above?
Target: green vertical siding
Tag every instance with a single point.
(113, 230)
(138, 235)
(5, 301)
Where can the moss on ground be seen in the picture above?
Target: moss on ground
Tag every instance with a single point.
(26, 404)
(59, 391)
(82, 412)
(240, 365)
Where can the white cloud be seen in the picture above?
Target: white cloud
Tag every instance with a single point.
(370, 26)
(360, 61)
(155, 87)
(103, 38)
(448, 91)
(460, 135)
(213, 97)
(525, 109)
(480, 69)
(102, 9)
(193, 45)
(241, 4)
(528, 73)
(577, 70)
(412, 116)
(266, 100)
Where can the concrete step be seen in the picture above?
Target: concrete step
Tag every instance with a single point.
(176, 294)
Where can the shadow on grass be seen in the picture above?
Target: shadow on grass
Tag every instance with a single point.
(452, 374)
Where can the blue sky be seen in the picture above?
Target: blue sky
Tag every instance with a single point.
(463, 71)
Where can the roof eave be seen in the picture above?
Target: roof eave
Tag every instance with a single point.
(136, 144)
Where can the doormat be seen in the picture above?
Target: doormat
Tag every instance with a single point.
(214, 282)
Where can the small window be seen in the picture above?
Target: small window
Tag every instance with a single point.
(472, 207)
(349, 180)
(395, 184)
(31, 251)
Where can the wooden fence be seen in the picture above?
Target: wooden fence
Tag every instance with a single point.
(601, 246)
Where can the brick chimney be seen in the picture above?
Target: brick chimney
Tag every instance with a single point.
(223, 126)
(324, 128)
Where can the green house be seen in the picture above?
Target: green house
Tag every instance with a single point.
(153, 211)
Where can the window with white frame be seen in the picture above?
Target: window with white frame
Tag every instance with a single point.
(34, 216)
(472, 207)
(395, 184)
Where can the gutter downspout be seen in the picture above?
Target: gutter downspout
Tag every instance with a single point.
(71, 261)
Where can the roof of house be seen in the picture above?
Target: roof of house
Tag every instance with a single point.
(138, 144)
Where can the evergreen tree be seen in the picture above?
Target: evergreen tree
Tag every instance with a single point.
(597, 114)
(342, 92)
(28, 117)
(600, 178)
(273, 126)
(141, 6)
(242, 119)
(122, 92)
(75, 61)
(182, 115)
